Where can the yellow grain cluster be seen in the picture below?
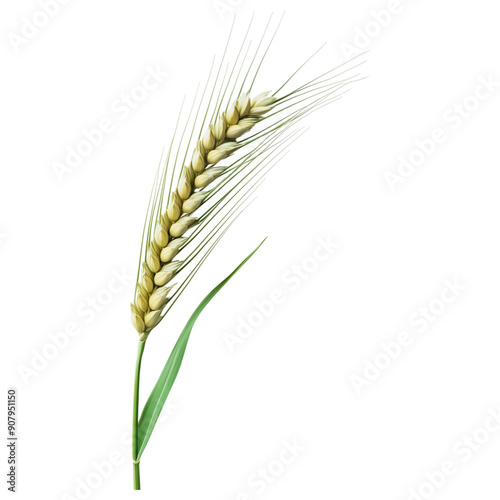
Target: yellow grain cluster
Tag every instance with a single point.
(159, 268)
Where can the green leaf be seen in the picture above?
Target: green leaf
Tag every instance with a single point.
(161, 390)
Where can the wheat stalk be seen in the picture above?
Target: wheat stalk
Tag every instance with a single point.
(194, 200)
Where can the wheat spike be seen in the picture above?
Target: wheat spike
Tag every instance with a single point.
(172, 224)
(217, 144)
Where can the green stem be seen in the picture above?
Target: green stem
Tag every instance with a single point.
(137, 477)
(135, 418)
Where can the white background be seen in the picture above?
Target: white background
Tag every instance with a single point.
(292, 378)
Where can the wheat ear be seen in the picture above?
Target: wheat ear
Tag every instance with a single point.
(218, 142)
(226, 134)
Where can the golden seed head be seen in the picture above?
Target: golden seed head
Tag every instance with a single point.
(165, 221)
(201, 148)
(259, 97)
(161, 236)
(248, 122)
(193, 202)
(147, 283)
(262, 100)
(157, 301)
(208, 176)
(147, 278)
(152, 318)
(167, 272)
(215, 156)
(137, 320)
(154, 247)
(141, 299)
(146, 270)
(198, 162)
(261, 110)
(174, 207)
(220, 128)
(170, 251)
(243, 126)
(229, 146)
(243, 104)
(208, 140)
(159, 297)
(232, 116)
(185, 185)
(181, 226)
(153, 259)
(217, 143)
(235, 131)
(222, 151)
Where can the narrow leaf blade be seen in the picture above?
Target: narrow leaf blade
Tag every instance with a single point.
(161, 390)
